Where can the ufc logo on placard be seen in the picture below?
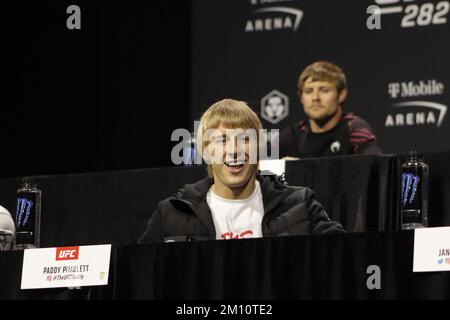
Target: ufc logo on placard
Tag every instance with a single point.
(67, 253)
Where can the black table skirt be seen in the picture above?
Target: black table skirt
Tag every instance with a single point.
(301, 267)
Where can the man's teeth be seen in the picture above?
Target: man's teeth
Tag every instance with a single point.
(235, 164)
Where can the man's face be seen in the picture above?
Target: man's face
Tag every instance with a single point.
(321, 100)
(233, 157)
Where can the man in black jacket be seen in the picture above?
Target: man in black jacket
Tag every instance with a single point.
(234, 201)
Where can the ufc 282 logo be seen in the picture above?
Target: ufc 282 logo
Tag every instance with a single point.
(414, 14)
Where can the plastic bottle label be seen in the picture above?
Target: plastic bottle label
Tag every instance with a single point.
(26, 218)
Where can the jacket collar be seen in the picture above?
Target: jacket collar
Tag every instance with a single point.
(273, 191)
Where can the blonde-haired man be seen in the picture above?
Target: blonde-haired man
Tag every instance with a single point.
(234, 201)
(328, 131)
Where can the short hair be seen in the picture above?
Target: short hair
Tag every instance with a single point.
(323, 71)
(230, 113)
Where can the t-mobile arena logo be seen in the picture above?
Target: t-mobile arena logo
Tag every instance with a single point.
(234, 146)
(417, 111)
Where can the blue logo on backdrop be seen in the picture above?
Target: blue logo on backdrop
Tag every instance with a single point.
(23, 211)
(409, 182)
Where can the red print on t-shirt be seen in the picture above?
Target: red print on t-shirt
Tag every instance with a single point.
(229, 235)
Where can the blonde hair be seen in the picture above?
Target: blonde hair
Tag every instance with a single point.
(231, 114)
(323, 71)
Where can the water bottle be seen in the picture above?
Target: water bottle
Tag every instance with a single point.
(28, 215)
(414, 197)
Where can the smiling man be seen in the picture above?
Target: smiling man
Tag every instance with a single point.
(235, 201)
(328, 131)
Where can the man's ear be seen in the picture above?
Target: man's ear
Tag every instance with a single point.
(342, 96)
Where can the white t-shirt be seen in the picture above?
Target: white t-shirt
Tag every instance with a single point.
(236, 219)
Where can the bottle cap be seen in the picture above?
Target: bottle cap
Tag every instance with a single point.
(29, 180)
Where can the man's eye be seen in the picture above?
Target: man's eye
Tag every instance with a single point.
(244, 139)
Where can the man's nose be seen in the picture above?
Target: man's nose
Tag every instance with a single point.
(235, 148)
(315, 95)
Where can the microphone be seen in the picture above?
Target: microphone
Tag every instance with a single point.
(7, 230)
(186, 238)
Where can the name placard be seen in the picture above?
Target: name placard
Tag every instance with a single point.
(75, 266)
(276, 166)
(431, 249)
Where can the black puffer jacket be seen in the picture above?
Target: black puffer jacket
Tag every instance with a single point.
(288, 210)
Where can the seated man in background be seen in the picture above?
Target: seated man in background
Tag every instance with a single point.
(328, 131)
(234, 201)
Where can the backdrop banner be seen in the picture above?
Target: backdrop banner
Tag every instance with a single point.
(394, 53)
